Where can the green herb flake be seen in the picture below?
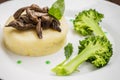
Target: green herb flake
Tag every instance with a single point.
(68, 50)
(57, 9)
(19, 62)
(105, 32)
(47, 62)
(71, 20)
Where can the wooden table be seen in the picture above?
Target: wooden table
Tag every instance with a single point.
(1, 1)
(115, 1)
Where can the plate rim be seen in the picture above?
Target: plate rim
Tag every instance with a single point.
(56, 78)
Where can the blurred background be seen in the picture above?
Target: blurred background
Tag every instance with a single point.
(114, 1)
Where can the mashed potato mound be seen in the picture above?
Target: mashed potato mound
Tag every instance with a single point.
(27, 43)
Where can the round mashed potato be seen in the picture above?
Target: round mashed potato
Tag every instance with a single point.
(27, 43)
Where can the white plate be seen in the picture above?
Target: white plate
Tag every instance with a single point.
(35, 68)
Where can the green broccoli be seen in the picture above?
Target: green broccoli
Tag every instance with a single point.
(94, 49)
(68, 49)
(99, 49)
(87, 23)
(57, 9)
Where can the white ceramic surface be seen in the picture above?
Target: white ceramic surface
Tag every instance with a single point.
(35, 68)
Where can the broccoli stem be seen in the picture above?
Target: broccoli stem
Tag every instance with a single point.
(72, 65)
(94, 25)
(55, 68)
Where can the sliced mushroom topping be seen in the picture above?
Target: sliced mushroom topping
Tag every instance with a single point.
(45, 9)
(55, 25)
(38, 9)
(31, 15)
(35, 18)
(16, 24)
(19, 12)
(46, 21)
(29, 26)
(35, 7)
(39, 29)
(47, 18)
(25, 19)
(39, 14)
(20, 26)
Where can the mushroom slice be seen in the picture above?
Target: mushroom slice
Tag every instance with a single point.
(19, 25)
(25, 19)
(16, 24)
(40, 14)
(31, 15)
(35, 7)
(46, 21)
(39, 29)
(29, 26)
(19, 12)
(45, 9)
(38, 9)
(47, 18)
(55, 25)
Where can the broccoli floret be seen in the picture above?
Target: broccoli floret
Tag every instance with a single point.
(100, 50)
(87, 23)
(94, 49)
